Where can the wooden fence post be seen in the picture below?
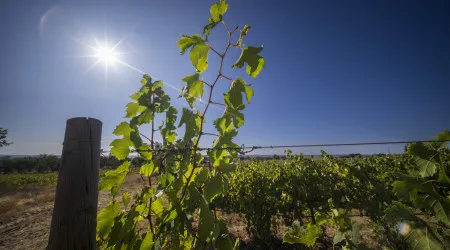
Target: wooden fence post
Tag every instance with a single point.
(74, 218)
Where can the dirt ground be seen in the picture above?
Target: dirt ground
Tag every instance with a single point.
(25, 216)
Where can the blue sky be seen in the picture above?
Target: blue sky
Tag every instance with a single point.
(336, 71)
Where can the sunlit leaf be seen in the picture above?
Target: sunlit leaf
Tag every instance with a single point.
(217, 10)
(243, 33)
(122, 129)
(199, 57)
(113, 179)
(186, 42)
(213, 188)
(193, 89)
(120, 148)
(255, 62)
(147, 169)
(126, 199)
(105, 218)
(133, 109)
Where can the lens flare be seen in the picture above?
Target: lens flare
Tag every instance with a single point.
(403, 228)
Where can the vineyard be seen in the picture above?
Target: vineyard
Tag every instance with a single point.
(189, 196)
(299, 202)
(406, 197)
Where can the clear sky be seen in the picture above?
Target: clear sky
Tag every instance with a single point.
(336, 71)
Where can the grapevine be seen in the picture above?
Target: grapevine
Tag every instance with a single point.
(179, 186)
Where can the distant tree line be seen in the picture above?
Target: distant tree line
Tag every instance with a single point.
(50, 163)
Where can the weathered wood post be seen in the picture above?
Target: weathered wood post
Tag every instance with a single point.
(74, 218)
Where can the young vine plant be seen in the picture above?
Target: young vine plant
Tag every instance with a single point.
(174, 210)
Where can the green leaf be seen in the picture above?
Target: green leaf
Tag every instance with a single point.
(244, 32)
(122, 129)
(148, 242)
(225, 140)
(187, 42)
(426, 168)
(444, 137)
(207, 29)
(158, 206)
(298, 234)
(217, 10)
(223, 124)
(201, 176)
(156, 85)
(105, 218)
(135, 138)
(192, 124)
(136, 95)
(145, 117)
(443, 178)
(147, 169)
(170, 216)
(193, 89)
(433, 201)
(126, 199)
(206, 221)
(399, 212)
(251, 57)
(145, 152)
(120, 148)
(404, 189)
(338, 237)
(236, 116)
(113, 179)
(421, 239)
(213, 188)
(199, 57)
(133, 109)
(233, 98)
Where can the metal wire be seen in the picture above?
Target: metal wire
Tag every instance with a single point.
(247, 149)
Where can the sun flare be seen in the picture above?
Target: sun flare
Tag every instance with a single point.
(106, 54)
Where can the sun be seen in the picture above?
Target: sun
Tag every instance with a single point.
(106, 54)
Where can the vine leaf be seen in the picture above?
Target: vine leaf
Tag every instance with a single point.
(443, 178)
(233, 98)
(193, 89)
(105, 218)
(147, 169)
(421, 239)
(148, 242)
(207, 29)
(225, 140)
(133, 109)
(192, 122)
(123, 129)
(426, 167)
(126, 199)
(186, 42)
(158, 207)
(199, 51)
(243, 33)
(250, 56)
(145, 117)
(206, 220)
(120, 148)
(113, 179)
(299, 234)
(199, 57)
(213, 188)
(217, 10)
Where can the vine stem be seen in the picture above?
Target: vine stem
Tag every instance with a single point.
(202, 118)
(150, 176)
